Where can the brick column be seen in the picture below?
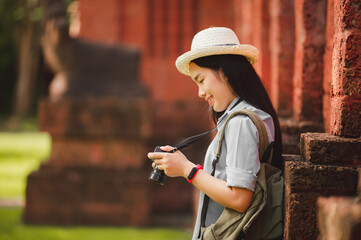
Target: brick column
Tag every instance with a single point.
(260, 37)
(346, 70)
(99, 119)
(304, 183)
(214, 13)
(327, 70)
(310, 16)
(282, 46)
(107, 27)
(243, 19)
(340, 218)
(331, 158)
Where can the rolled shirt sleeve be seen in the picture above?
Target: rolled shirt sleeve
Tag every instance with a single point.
(242, 159)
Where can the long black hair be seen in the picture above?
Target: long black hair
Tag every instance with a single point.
(245, 82)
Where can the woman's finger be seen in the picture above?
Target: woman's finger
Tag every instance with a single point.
(158, 161)
(156, 155)
(159, 166)
(166, 148)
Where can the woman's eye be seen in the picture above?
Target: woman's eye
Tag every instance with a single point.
(201, 81)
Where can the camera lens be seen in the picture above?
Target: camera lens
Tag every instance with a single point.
(157, 175)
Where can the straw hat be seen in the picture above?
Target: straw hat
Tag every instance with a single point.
(215, 41)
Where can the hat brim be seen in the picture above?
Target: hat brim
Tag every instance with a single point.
(249, 51)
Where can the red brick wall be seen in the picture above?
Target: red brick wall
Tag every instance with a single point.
(346, 70)
(327, 71)
(243, 19)
(310, 59)
(215, 13)
(260, 39)
(282, 47)
(161, 29)
(100, 20)
(310, 25)
(164, 29)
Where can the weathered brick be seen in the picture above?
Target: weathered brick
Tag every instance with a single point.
(345, 116)
(346, 64)
(216, 12)
(347, 14)
(243, 20)
(324, 148)
(291, 130)
(162, 198)
(69, 196)
(339, 218)
(95, 117)
(294, 127)
(302, 176)
(308, 69)
(327, 70)
(261, 21)
(102, 152)
(304, 183)
(300, 216)
(282, 40)
(174, 121)
(104, 29)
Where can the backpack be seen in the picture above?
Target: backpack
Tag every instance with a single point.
(264, 218)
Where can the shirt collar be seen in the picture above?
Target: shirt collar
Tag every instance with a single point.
(229, 108)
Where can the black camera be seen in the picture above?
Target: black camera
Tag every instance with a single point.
(157, 175)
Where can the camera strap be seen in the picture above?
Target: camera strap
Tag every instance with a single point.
(188, 141)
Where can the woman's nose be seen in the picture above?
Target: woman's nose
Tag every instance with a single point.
(201, 93)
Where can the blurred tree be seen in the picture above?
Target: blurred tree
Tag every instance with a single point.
(8, 19)
(20, 57)
(27, 33)
(29, 56)
(23, 75)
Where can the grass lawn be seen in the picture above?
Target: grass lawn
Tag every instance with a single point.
(11, 227)
(20, 154)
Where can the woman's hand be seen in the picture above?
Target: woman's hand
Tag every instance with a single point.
(174, 164)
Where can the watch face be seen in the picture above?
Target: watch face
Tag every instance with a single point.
(191, 174)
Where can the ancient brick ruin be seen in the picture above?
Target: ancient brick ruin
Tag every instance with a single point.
(98, 117)
(310, 64)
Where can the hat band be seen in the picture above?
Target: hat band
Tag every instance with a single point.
(223, 44)
(226, 44)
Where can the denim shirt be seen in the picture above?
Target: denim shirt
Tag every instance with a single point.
(239, 162)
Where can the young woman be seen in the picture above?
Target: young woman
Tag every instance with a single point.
(222, 69)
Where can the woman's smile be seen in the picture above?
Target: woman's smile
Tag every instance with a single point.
(212, 87)
(210, 101)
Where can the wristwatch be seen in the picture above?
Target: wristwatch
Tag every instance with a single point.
(193, 173)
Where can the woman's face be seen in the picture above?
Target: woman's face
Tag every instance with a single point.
(212, 87)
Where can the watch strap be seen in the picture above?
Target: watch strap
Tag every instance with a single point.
(193, 173)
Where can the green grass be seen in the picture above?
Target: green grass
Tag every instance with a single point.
(20, 154)
(11, 227)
